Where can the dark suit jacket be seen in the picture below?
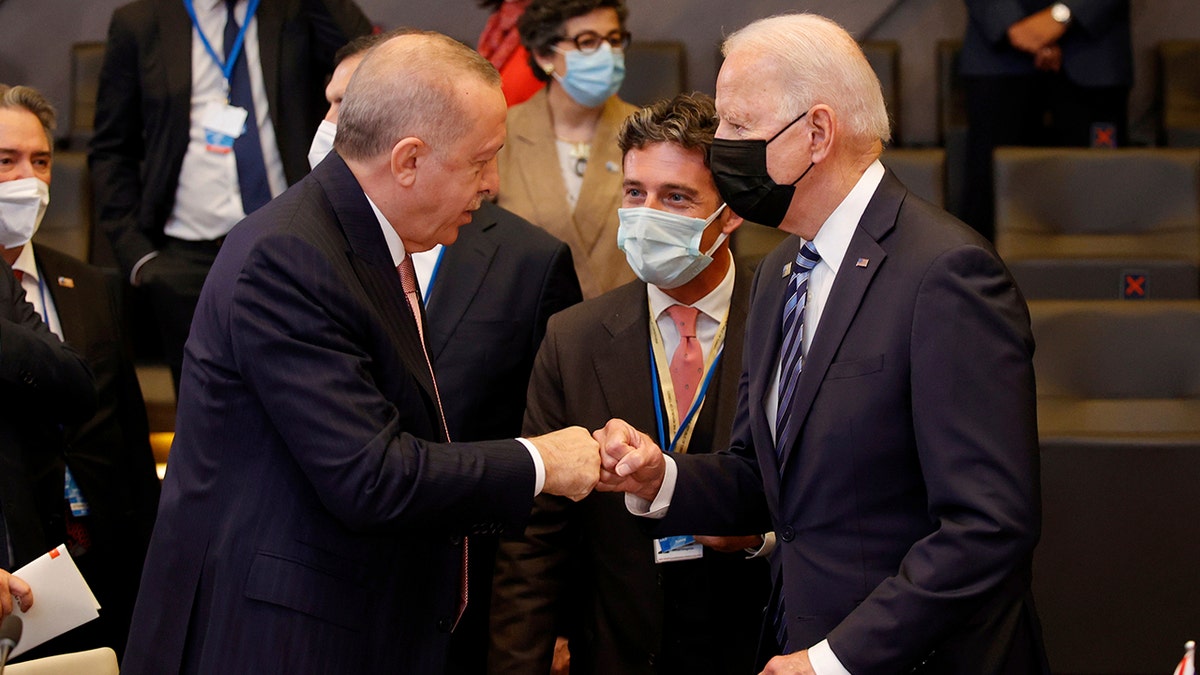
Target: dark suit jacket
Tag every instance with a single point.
(44, 385)
(109, 454)
(496, 288)
(1097, 49)
(588, 569)
(908, 507)
(306, 523)
(144, 104)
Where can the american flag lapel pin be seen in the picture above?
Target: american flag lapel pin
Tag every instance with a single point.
(862, 262)
(66, 282)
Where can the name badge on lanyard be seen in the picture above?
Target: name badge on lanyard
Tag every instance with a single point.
(223, 123)
(682, 547)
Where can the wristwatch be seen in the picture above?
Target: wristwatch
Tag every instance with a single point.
(1060, 13)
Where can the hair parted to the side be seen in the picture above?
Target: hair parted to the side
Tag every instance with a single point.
(817, 61)
(32, 101)
(541, 26)
(688, 120)
(408, 86)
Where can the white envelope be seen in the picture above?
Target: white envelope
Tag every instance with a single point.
(62, 600)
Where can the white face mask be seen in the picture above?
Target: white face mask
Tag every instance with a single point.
(322, 143)
(663, 248)
(23, 202)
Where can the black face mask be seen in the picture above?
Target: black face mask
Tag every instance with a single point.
(739, 169)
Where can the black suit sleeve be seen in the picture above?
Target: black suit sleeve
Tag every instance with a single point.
(117, 148)
(35, 366)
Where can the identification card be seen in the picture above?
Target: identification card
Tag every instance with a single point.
(670, 549)
(222, 124)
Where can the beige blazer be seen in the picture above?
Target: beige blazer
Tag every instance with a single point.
(531, 185)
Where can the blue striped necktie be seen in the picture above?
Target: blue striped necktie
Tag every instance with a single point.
(247, 148)
(791, 352)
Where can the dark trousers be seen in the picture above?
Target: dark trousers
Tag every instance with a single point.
(172, 283)
(1044, 109)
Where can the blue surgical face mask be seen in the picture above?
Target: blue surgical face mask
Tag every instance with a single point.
(663, 248)
(592, 77)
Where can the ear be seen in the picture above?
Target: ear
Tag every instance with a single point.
(823, 122)
(546, 63)
(732, 221)
(407, 154)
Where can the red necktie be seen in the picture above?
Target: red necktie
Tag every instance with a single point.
(687, 365)
(408, 280)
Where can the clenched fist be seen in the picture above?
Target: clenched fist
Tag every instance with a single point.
(572, 460)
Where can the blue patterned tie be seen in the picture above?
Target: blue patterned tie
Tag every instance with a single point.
(247, 148)
(791, 357)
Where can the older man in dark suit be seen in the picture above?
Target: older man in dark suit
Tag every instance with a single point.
(313, 515)
(886, 426)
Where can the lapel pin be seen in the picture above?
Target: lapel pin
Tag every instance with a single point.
(862, 262)
(66, 282)
(787, 269)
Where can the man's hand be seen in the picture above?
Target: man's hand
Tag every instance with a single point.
(630, 461)
(572, 462)
(10, 586)
(731, 544)
(1035, 32)
(789, 664)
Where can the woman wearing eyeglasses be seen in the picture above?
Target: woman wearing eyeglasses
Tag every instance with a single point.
(561, 168)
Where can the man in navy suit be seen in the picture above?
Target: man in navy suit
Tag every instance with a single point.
(313, 514)
(1028, 61)
(886, 426)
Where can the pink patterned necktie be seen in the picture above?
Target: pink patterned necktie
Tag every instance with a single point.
(408, 280)
(687, 365)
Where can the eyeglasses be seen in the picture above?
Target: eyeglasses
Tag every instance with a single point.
(589, 40)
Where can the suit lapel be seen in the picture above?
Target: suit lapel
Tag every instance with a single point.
(175, 48)
(846, 295)
(628, 351)
(600, 194)
(270, 27)
(372, 263)
(67, 298)
(765, 325)
(462, 270)
(537, 167)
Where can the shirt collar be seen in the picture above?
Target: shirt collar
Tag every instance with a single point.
(715, 305)
(833, 238)
(26, 263)
(394, 244)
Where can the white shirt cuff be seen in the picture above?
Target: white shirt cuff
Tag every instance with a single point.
(658, 508)
(823, 660)
(137, 266)
(539, 466)
(763, 551)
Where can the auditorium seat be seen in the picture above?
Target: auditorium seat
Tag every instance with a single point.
(1100, 224)
(653, 71)
(102, 661)
(884, 57)
(67, 225)
(922, 170)
(751, 242)
(1179, 82)
(86, 59)
(952, 121)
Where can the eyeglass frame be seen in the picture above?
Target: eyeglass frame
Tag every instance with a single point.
(617, 39)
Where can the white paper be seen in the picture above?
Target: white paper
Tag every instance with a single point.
(62, 600)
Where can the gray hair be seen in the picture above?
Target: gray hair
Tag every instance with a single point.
(820, 63)
(32, 101)
(406, 87)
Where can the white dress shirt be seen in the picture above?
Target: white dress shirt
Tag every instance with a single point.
(832, 241)
(208, 201)
(396, 249)
(36, 289)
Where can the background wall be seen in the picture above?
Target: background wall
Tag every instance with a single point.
(37, 35)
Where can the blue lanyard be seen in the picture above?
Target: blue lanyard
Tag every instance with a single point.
(225, 66)
(433, 277)
(658, 410)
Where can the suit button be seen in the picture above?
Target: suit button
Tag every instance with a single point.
(650, 659)
(455, 542)
(445, 625)
(788, 534)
